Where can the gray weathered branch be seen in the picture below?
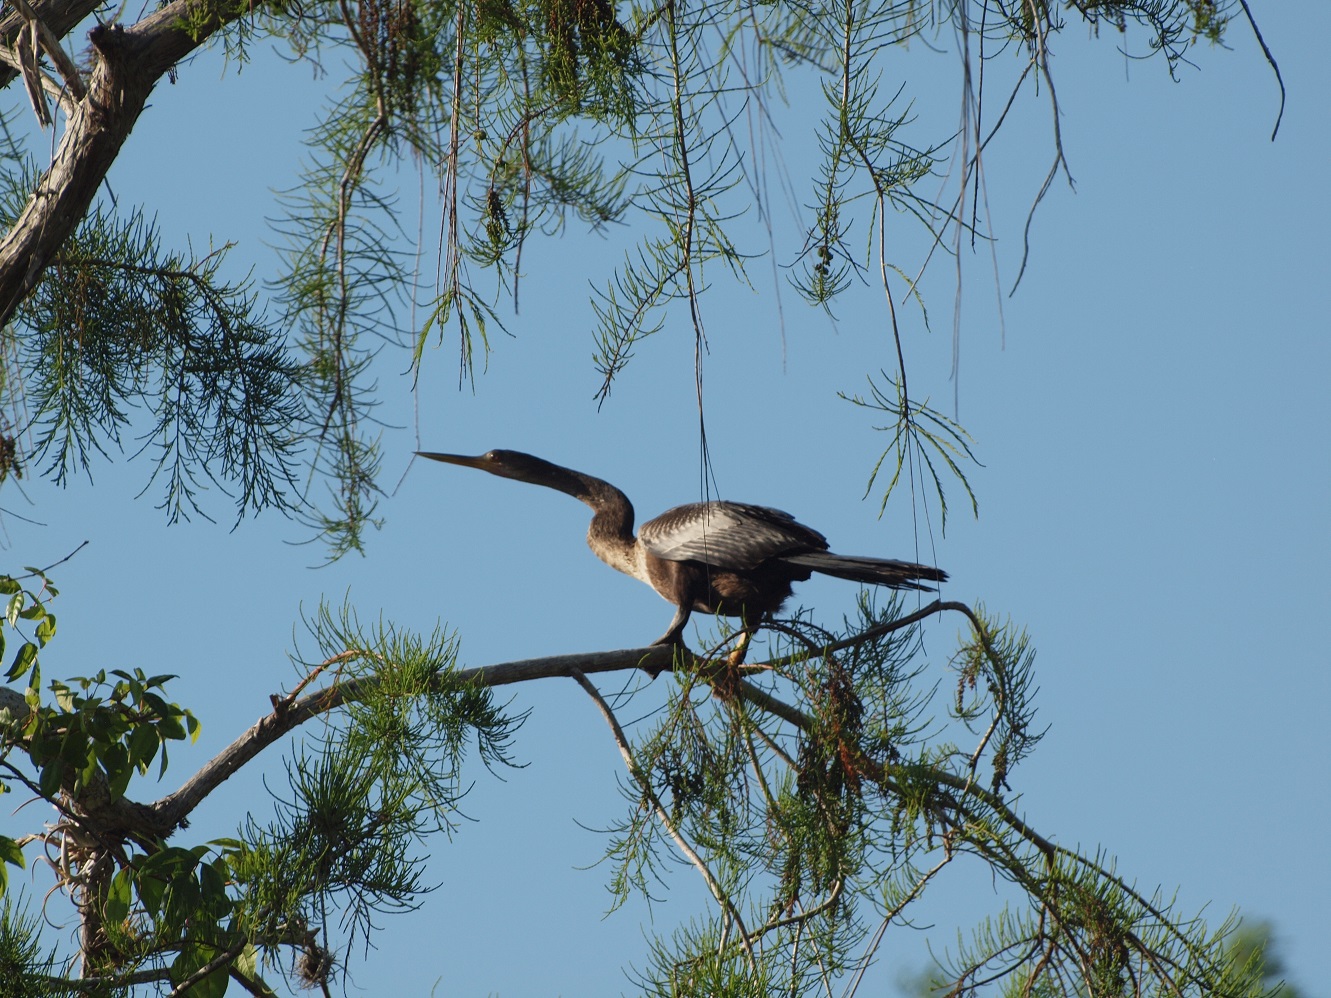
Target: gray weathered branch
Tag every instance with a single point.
(127, 63)
(60, 16)
(171, 810)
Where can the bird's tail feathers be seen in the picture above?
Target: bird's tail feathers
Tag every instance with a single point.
(873, 571)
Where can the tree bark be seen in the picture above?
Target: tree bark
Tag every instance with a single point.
(127, 63)
(61, 16)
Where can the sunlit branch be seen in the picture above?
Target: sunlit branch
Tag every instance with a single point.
(635, 771)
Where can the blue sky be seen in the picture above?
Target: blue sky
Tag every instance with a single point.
(1152, 414)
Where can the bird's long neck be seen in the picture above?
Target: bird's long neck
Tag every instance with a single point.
(610, 535)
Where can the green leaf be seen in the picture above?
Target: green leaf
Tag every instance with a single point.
(8, 586)
(119, 770)
(248, 962)
(212, 883)
(49, 782)
(192, 957)
(118, 897)
(183, 898)
(143, 743)
(23, 661)
(11, 852)
(88, 772)
(152, 880)
(45, 631)
(170, 727)
(13, 609)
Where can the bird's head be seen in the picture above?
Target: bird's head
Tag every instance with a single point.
(516, 465)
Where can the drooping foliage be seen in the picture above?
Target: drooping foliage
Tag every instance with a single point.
(528, 118)
(817, 795)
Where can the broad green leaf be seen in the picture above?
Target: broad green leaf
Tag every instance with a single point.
(119, 770)
(248, 961)
(49, 782)
(143, 743)
(118, 897)
(170, 727)
(88, 772)
(11, 852)
(152, 885)
(23, 660)
(192, 957)
(8, 585)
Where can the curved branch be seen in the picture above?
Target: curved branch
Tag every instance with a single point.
(60, 16)
(722, 898)
(127, 63)
(1252, 22)
(170, 811)
(161, 818)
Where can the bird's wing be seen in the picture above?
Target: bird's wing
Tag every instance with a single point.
(729, 535)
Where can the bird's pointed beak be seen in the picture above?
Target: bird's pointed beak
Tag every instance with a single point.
(467, 462)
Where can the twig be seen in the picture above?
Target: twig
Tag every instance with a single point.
(896, 910)
(635, 771)
(877, 631)
(216, 963)
(51, 46)
(1269, 58)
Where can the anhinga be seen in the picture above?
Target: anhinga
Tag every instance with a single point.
(725, 558)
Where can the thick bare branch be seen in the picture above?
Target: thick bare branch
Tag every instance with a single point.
(60, 16)
(51, 46)
(127, 63)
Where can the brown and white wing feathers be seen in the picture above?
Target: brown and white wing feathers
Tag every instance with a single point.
(727, 535)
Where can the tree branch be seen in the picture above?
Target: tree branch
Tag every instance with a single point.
(171, 810)
(51, 46)
(727, 906)
(60, 16)
(162, 818)
(127, 63)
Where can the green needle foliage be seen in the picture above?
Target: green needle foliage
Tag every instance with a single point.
(527, 118)
(818, 796)
(117, 327)
(345, 844)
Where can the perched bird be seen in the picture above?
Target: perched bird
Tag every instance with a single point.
(724, 558)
